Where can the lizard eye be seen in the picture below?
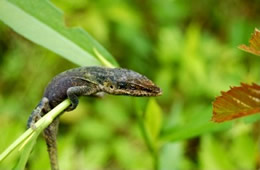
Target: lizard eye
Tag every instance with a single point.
(111, 87)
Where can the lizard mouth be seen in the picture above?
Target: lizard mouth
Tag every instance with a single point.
(147, 88)
(150, 91)
(141, 90)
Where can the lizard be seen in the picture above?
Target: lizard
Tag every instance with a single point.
(86, 81)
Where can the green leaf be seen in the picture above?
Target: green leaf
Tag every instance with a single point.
(196, 124)
(152, 121)
(42, 23)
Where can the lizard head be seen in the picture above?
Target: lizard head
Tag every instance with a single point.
(120, 81)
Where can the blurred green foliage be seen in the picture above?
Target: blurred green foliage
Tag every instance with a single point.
(188, 47)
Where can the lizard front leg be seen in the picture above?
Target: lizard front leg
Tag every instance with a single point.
(74, 92)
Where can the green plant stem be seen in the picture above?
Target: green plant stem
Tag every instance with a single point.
(145, 135)
(148, 142)
(102, 59)
(155, 160)
(40, 125)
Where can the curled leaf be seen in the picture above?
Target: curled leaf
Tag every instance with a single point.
(237, 102)
(254, 44)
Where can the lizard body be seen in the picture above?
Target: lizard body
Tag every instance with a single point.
(86, 81)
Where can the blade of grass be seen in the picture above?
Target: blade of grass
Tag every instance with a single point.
(27, 149)
(42, 23)
(40, 125)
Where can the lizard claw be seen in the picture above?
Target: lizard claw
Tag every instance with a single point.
(33, 126)
(71, 107)
(37, 113)
(34, 120)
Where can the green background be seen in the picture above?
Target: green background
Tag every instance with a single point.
(189, 48)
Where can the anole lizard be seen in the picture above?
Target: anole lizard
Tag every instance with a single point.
(86, 81)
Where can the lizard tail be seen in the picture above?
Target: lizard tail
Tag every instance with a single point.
(50, 135)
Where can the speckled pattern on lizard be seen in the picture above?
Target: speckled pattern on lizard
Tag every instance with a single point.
(86, 81)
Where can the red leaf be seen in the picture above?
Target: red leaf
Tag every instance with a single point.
(237, 102)
(254, 44)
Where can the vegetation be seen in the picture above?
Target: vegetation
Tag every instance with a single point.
(188, 48)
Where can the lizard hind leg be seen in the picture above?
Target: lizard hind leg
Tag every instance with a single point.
(42, 108)
(49, 133)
